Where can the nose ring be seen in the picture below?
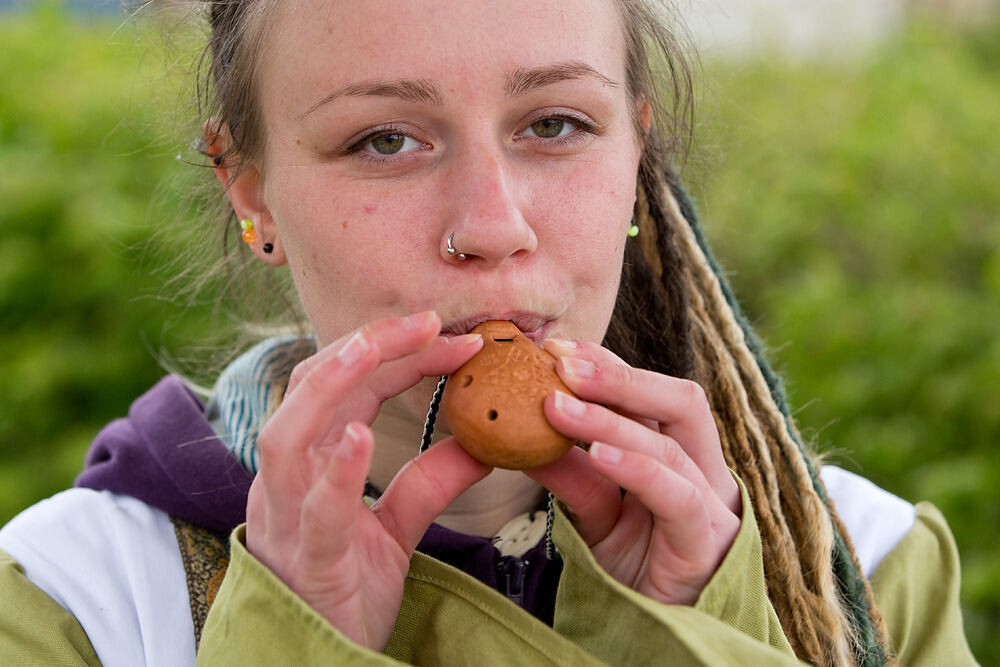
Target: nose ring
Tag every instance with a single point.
(452, 252)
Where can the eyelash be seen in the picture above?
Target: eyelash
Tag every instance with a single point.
(584, 125)
(358, 152)
(357, 149)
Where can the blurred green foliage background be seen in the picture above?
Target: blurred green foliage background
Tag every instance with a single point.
(856, 207)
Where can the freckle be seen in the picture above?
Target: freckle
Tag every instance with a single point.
(344, 224)
(298, 142)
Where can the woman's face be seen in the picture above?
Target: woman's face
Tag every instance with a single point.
(392, 125)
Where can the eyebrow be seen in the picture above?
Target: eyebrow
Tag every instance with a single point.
(524, 80)
(518, 82)
(412, 90)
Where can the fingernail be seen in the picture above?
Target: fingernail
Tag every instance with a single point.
(464, 339)
(580, 368)
(605, 453)
(568, 405)
(352, 438)
(562, 345)
(353, 349)
(417, 320)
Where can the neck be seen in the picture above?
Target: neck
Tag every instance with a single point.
(482, 509)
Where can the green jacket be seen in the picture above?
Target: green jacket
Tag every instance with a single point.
(449, 618)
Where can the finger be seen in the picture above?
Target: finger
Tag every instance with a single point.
(424, 488)
(443, 356)
(330, 509)
(303, 418)
(680, 406)
(258, 517)
(680, 507)
(596, 374)
(327, 396)
(326, 381)
(589, 422)
(288, 442)
(593, 500)
(395, 336)
(406, 357)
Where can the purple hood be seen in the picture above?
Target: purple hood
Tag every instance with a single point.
(166, 455)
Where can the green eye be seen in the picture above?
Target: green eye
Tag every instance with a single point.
(548, 128)
(387, 144)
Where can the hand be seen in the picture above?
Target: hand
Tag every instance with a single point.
(306, 519)
(657, 440)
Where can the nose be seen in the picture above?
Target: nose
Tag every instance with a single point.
(487, 222)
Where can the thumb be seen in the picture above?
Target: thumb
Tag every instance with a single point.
(424, 488)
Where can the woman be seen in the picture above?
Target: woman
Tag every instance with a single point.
(422, 167)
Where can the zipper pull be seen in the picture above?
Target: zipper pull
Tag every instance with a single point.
(514, 571)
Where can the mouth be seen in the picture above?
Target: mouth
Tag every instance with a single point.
(534, 326)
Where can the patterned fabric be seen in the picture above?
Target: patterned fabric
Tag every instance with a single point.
(206, 558)
(247, 391)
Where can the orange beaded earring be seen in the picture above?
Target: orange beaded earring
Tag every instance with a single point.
(249, 235)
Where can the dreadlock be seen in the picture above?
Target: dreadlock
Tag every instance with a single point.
(676, 314)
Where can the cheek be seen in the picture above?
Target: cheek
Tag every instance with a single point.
(342, 225)
(348, 249)
(594, 209)
(590, 210)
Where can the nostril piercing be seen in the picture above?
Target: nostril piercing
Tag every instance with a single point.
(452, 251)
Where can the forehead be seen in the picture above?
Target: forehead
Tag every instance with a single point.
(314, 44)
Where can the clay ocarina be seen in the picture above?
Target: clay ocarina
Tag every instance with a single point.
(493, 403)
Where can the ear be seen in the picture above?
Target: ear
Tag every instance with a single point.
(645, 114)
(243, 184)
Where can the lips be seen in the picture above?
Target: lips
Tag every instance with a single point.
(534, 326)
